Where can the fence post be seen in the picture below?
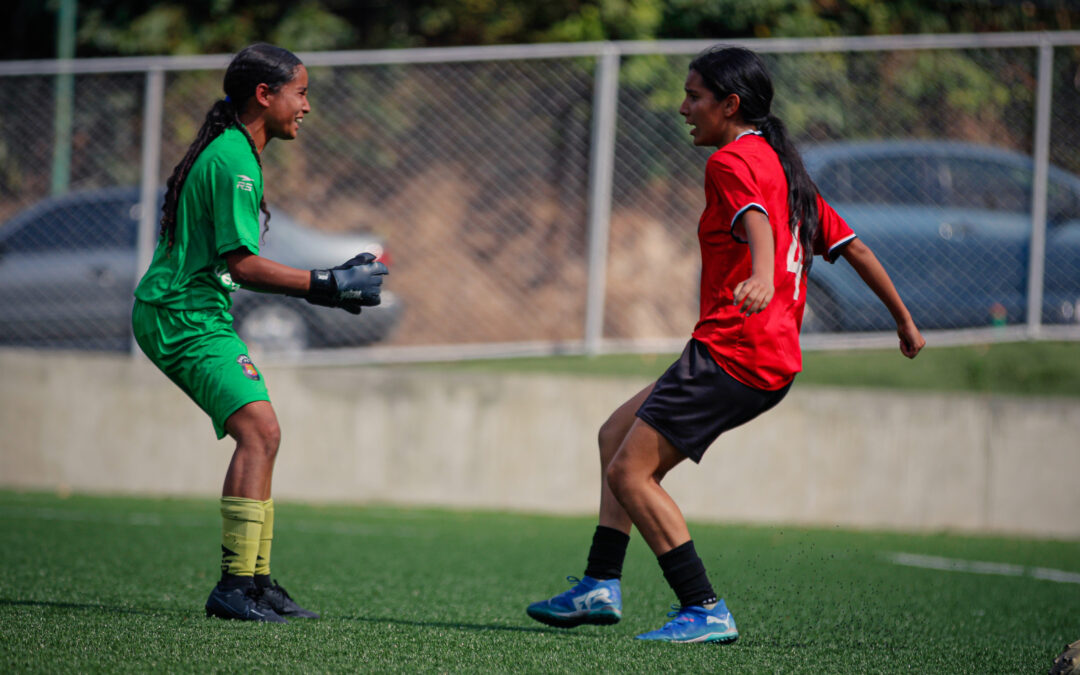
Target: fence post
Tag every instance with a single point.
(151, 165)
(601, 170)
(1037, 260)
(65, 95)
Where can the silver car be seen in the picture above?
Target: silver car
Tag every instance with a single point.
(68, 270)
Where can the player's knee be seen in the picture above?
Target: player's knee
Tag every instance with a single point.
(618, 476)
(609, 438)
(261, 437)
(269, 434)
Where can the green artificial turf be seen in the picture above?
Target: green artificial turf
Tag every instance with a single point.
(1014, 368)
(92, 584)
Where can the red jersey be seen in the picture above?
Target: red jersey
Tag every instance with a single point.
(761, 350)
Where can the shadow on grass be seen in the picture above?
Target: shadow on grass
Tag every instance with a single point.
(8, 602)
(478, 627)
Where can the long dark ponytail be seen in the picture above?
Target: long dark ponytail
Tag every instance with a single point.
(256, 64)
(735, 70)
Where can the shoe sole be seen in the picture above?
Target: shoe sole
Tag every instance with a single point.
(213, 613)
(598, 618)
(719, 638)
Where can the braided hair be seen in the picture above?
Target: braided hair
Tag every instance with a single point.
(256, 64)
(735, 70)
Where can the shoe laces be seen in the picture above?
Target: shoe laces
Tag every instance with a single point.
(280, 589)
(254, 593)
(574, 581)
(678, 612)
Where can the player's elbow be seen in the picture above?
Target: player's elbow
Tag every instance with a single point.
(243, 268)
(855, 250)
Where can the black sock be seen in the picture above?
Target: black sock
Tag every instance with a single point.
(262, 581)
(685, 573)
(231, 581)
(607, 553)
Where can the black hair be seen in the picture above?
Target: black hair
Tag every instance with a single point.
(735, 70)
(256, 64)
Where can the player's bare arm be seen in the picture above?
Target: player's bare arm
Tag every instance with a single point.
(262, 274)
(354, 284)
(869, 268)
(754, 294)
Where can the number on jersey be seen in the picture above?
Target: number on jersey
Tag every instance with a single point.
(794, 261)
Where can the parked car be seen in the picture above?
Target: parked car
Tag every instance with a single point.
(68, 270)
(951, 222)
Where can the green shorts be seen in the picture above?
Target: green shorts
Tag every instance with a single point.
(203, 355)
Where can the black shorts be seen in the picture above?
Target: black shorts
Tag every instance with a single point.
(696, 400)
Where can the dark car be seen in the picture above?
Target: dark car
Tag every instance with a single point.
(951, 222)
(68, 270)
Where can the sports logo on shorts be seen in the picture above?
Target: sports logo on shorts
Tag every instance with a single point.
(248, 367)
(245, 183)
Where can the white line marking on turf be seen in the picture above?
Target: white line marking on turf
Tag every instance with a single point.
(980, 567)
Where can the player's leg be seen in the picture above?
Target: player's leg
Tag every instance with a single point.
(610, 439)
(250, 476)
(201, 354)
(596, 598)
(270, 591)
(255, 429)
(634, 476)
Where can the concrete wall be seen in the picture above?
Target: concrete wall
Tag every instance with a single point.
(527, 442)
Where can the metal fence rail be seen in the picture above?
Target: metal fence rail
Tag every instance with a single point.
(544, 199)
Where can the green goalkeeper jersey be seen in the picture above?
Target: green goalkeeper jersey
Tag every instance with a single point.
(218, 212)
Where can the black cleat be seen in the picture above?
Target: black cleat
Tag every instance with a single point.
(241, 604)
(278, 600)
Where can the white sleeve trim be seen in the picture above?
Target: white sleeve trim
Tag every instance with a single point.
(751, 205)
(840, 243)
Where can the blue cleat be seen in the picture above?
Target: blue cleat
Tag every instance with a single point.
(591, 600)
(696, 624)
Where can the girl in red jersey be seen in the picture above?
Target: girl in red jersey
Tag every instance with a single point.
(763, 221)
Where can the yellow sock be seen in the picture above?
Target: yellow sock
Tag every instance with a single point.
(241, 525)
(266, 537)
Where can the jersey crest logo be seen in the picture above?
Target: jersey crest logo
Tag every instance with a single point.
(245, 183)
(248, 367)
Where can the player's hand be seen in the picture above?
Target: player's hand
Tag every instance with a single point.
(911, 340)
(359, 259)
(360, 283)
(354, 284)
(753, 295)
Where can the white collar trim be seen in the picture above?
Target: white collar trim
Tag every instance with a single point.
(750, 131)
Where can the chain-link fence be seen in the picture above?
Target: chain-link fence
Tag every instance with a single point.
(543, 199)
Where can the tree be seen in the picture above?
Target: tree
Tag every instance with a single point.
(133, 27)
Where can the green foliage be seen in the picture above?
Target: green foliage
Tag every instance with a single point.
(608, 20)
(310, 27)
(215, 26)
(764, 18)
(470, 21)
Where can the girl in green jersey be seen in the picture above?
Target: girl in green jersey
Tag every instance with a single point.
(208, 247)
